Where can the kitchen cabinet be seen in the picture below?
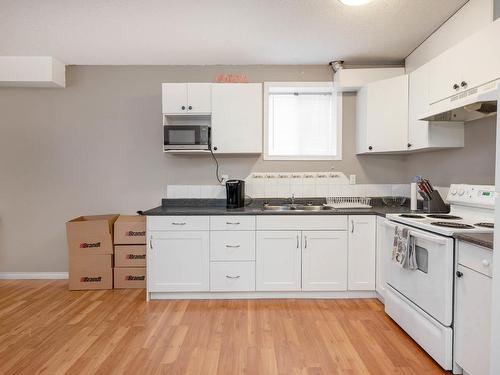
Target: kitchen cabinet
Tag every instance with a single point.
(469, 64)
(382, 116)
(278, 261)
(473, 309)
(178, 261)
(187, 98)
(423, 134)
(361, 264)
(324, 260)
(237, 118)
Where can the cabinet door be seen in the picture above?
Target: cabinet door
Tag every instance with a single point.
(444, 73)
(178, 261)
(278, 261)
(382, 116)
(174, 98)
(484, 47)
(473, 321)
(237, 117)
(324, 260)
(385, 235)
(362, 237)
(418, 131)
(199, 98)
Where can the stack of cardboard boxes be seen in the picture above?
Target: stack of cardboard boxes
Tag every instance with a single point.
(90, 247)
(130, 252)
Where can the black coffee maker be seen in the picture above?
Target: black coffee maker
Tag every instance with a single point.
(235, 193)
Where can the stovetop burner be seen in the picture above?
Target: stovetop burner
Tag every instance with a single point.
(485, 225)
(452, 225)
(412, 216)
(444, 216)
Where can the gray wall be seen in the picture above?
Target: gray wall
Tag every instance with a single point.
(95, 147)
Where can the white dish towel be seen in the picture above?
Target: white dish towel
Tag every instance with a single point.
(403, 249)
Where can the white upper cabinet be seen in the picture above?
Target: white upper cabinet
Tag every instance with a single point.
(471, 63)
(187, 98)
(324, 259)
(361, 265)
(237, 118)
(423, 134)
(382, 116)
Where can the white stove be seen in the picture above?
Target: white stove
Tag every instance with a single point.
(471, 211)
(421, 300)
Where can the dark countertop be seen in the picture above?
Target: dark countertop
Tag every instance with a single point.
(480, 239)
(218, 207)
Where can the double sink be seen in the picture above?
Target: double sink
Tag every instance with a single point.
(296, 207)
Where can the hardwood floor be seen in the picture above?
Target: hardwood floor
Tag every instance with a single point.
(45, 329)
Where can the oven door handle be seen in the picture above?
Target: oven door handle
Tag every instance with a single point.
(420, 235)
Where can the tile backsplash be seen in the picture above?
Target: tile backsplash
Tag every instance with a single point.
(300, 184)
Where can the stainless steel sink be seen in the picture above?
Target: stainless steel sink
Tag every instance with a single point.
(295, 207)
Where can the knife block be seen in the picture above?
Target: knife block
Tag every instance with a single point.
(435, 204)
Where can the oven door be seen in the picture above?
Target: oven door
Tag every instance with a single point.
(430, 287)
(186, 137)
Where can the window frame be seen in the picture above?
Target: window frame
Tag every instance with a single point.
(326, 87)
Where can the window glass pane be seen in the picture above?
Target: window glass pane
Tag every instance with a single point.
(302, 125)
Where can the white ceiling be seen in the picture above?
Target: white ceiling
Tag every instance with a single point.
(198, 32)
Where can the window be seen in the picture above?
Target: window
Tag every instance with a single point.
(303, 121)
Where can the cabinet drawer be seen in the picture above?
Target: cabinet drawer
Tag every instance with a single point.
(232, 222)
(302, 222)
(232, 276)
(177, 223)
(477, 258)
(232, 245)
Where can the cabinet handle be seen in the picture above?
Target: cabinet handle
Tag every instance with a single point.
(456, 86)
(463, 84)
(297, 241)
(305, 242)
(459, 274)
(151, 242)
(232, 277)
(409, 145)
(178, 223)
(370, 148)
(352, 226)
(233, 246)
(235, 223)
(190, 107)
(486, 262)
(183, 107)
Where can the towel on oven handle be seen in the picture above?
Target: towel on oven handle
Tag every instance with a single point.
(403, 249)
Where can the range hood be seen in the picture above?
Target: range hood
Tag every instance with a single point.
(469, 105)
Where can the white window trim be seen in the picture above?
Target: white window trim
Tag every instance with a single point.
(338, 101)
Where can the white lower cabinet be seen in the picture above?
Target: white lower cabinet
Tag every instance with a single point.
(324, 260)
(278, 261)
(473, 310)
(361, 263)
(178, 261)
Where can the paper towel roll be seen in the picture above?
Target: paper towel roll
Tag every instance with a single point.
(413, 196)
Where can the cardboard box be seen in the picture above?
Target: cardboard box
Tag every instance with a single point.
(90, 235)
(130, 277)
(87, 272)
(130, 256)
(130, 230)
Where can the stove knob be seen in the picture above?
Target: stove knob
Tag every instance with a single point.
(453, 192)
(461, 192)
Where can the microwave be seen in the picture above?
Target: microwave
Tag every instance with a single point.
(186, 137)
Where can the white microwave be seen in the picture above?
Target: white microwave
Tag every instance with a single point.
(186, 137)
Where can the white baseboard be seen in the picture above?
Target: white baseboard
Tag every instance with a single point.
(33, 275)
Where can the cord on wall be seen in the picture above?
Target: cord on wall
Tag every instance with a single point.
(221, 180)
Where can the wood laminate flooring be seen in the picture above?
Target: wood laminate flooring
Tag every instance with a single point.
(46, 329)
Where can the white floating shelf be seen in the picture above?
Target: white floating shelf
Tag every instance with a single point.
(32, 71)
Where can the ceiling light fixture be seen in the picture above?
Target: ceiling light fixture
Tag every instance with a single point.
(355, 2)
